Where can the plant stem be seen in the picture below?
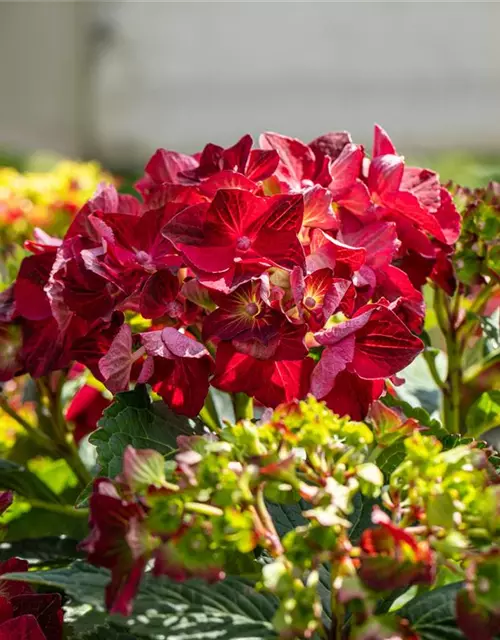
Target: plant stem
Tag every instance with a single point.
(203, 509)
(243, 406)
(63, 509)
(72, 457)
(63, 440)
(267, 521)
(208, 414)
(431, 364)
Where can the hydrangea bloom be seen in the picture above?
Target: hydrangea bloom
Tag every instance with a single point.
(276, 271)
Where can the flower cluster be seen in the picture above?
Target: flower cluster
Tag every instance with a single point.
(211, 509)
(275, 271)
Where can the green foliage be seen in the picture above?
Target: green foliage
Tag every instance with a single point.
(134, 420)
(432, 615)
(484, 414)
(229, 609)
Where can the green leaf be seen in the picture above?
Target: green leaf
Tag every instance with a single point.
(434, 427)
(41, 550)
(39, 523)
(25, 483)
(432, 615)
(191, 610)
(134, 420)
(361, 517)
(484, 414)
(287, 516)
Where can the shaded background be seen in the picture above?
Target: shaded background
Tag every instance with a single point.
(116, 80)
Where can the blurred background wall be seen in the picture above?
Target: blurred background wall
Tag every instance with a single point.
(116, 80)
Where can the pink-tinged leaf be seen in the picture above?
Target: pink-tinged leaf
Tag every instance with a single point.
(424, 184)
(385, 174)
(334, 359)
(21, 628)
(170, 343)
(406, 204)
(340, 331)
(226, 180)
(341, 295)
(384, 346)
(448, 217)
(352, 396)
(147, 370)
(318, 210)
(297, 161)
(330, 144)
(116, 365)
(142, 468)
(382, 144)
(42, 242)
(297, 284)
(379, 239)
(159, 289)
(346, 169)
(261, 164)
(165, 166)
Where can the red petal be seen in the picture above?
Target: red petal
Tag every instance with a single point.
(116, 365)
(165, 166)
(183, 383)
(235, 158)
(407, 205)
(330, 144)
(382, 144)
(448, 217)
(21, 628)
(353, 396)
(262, 164)
(45, 607)
(424, 184)
(333, 360)
(159, 289)
(297, 161)
(384, 346)
(318, 211)
(346, 169)
(385, 174)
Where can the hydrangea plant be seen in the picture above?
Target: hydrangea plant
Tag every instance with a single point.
(247, 325)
